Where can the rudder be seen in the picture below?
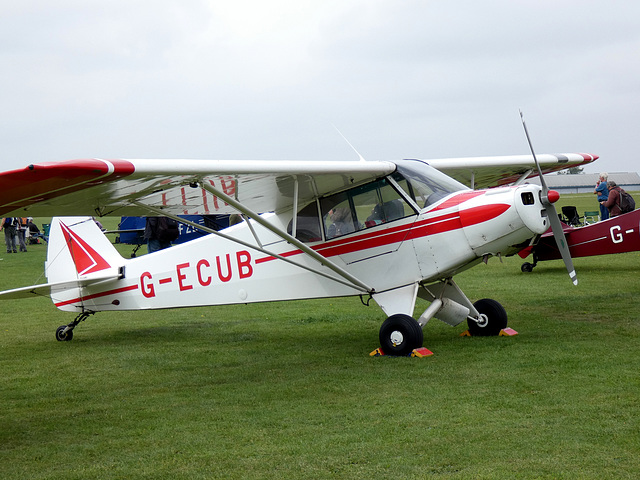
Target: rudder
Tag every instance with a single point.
(78, 249)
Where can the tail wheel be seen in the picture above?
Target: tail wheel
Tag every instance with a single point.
(63, 336)
(400, 334)
(526, 267)
(493, 318)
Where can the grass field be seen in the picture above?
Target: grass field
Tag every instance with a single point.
(288, 390)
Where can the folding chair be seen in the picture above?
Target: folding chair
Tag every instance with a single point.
(45, 231)
(571, 216)
(591, 217)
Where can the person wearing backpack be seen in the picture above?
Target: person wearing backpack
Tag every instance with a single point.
(619, 201)
(612, 202)
(22, 232)
(9, 225)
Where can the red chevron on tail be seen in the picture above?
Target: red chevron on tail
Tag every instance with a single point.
(85, 258)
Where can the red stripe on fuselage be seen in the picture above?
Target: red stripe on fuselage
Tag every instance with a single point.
(475, 215)
(98, 295)
(441, 224)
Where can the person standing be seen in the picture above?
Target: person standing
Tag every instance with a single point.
(22, 233)
(34, 231)
(602, 191)
(613, 200)
(9, 225)
(159, 232)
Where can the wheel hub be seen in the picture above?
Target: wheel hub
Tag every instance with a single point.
(396, 338)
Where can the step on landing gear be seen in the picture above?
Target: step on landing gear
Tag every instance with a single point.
(64, 333)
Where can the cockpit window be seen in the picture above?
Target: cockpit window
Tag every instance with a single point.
(308, 224)
(337, 215)
(423, 183)
(362, 207)
(359, 208)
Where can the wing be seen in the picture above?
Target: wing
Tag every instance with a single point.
(184, 187)
(123, 187)
(484, 172)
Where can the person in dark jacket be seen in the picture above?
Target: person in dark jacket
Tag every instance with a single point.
(159, 232)
(10, 227)
(613, 202)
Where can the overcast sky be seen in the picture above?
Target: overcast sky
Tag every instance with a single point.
(249, 79)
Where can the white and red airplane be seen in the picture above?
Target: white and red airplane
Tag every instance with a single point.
(388, 230)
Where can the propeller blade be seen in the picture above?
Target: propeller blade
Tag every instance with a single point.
(561, 241)
(549, 197)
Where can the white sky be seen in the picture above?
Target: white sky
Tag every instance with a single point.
(248, 79)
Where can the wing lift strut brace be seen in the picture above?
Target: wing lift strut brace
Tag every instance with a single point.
(523, 177)
(349, 280)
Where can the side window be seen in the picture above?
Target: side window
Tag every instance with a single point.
(419, 190)
(393, 206)
(404, 184)
(308, 224)
(338, 219)
(423, 183)
(362, 207)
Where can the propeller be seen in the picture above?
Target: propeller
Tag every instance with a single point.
(549, 197)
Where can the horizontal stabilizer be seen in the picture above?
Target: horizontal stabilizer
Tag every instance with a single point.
(45, 289)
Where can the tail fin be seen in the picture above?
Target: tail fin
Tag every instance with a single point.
(79, 250)
(79, 255)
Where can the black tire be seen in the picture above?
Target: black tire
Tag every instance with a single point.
(400, 334)
(63, 337)
(526, 267)
(496, 319)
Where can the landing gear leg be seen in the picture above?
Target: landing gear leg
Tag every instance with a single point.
(64, 333)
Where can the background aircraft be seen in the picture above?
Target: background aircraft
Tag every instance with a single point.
(387, 231)
(619, 234)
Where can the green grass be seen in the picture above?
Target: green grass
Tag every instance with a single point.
(288, 390)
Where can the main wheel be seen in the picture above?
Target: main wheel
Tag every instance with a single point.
(494, 318)
(400, 334)
(61, 336)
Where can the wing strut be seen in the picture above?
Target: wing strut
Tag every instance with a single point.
(524, 176)
(294, 227)
(285, 236)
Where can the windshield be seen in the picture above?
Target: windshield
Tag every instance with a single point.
(423, 183)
